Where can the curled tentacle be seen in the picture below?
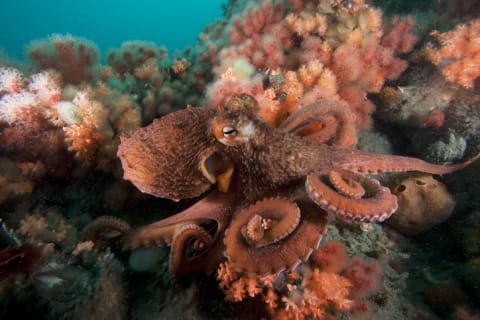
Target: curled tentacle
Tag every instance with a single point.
(268, 222)
(216, 209)
(106, 231)
(345, 185)
(149, 236)
(189, 246)
(254, 230)
(287, 240)
(325, 121)
(377, 204)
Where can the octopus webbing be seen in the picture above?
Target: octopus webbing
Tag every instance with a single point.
(271, 186)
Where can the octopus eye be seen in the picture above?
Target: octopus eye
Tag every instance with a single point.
(229, 131)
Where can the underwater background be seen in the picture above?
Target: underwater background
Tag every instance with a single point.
(107, 23)
(136, 181)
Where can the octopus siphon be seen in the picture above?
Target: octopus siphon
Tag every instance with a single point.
(265, 191)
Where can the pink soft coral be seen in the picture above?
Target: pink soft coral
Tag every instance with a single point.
(259, 34)
(75, 58)
(325, 50)
(459, 53)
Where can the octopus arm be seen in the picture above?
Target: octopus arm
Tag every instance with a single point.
(105, 231)
(325, 121)
(356, 197)
(287, 237)
(363, 162)
(193, 250)
(216, 207)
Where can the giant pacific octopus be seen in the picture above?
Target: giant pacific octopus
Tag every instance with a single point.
(266, 190)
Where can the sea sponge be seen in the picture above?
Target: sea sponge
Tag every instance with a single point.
(423, 202)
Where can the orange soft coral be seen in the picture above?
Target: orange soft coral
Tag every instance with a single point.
(330, 51)
(303, 293)
(315, 290)
(83, 141)
(96, 115)
(459, 53)
(331, 257)
(331, 288)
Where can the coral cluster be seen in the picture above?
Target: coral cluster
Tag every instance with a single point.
(75, 58)
(332, 282)
(41, 116)
(421, 104)
(319, 50)
(459, 53)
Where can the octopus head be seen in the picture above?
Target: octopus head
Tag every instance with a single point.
(234, 123)
(171, 158)
(233, 131)
(174, 157)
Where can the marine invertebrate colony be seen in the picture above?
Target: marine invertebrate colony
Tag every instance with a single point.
(328, 49)
(459, 53)
(260, 206)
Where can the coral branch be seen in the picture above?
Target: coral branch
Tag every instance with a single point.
(459, 53)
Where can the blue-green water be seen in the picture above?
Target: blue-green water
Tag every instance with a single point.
(173, 24)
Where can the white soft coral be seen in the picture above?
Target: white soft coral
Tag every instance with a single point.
(22, 98)
(13, 107)
(11, 80)
(46, 86)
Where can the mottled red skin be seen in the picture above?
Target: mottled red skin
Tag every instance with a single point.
(267, 162)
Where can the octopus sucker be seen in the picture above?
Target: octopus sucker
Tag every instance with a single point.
(364, 208)
(332, 208)
(295, 265)
(283, 217)
(254, 230)
(384, 216)
(278, 217)
(294, 238)
(344, 185)
(310, 251)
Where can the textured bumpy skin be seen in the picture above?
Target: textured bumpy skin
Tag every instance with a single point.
(287, 242)
(162, 159)
(337, 126)
(269, 158)
(275, 185)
